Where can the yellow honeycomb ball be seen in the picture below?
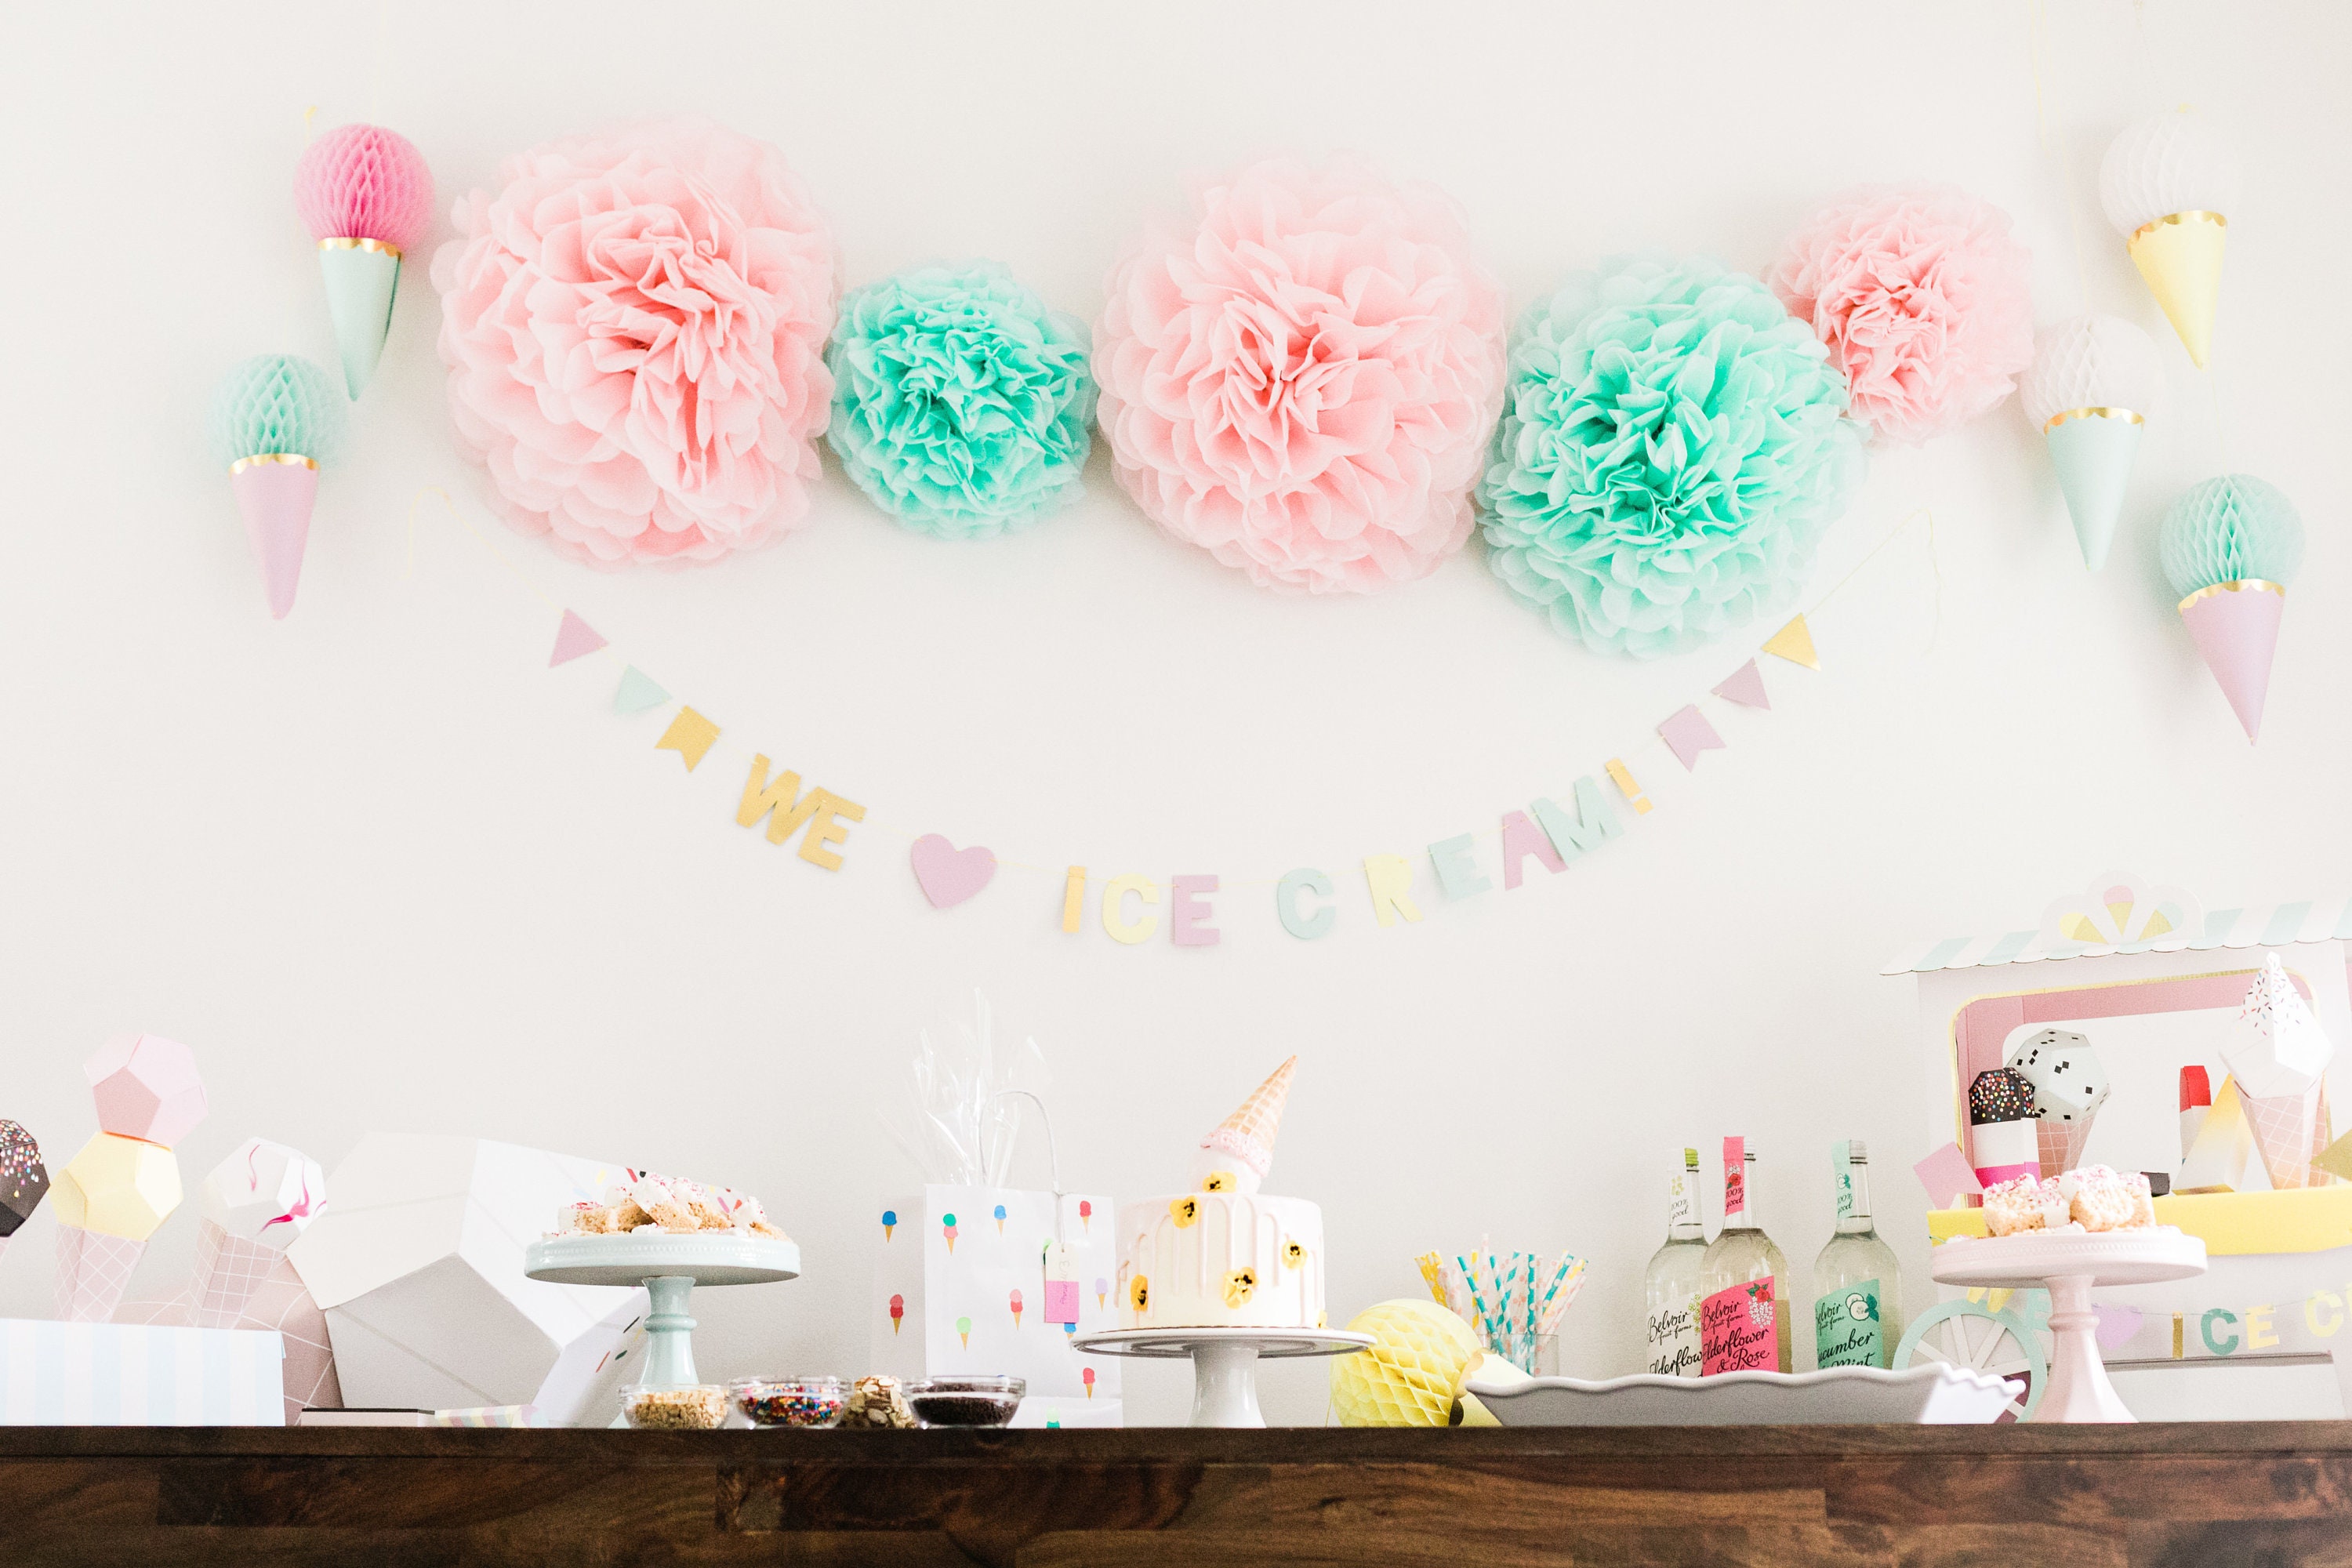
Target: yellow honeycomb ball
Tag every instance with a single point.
(1414, 1371)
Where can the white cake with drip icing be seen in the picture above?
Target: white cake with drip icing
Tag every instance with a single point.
(1223, 1255)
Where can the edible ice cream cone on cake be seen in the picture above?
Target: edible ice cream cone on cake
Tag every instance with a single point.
(2279, 1056)
(1236, 1155)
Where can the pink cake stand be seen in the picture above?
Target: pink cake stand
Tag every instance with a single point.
(2070, 1263)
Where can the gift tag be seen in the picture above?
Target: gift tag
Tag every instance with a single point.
(1061, 1284)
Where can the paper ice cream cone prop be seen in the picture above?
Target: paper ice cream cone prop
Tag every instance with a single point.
(229, 1269)
(2180, 257)
(93, 1270)
(2286, 1131)
(2060, 1144)
(2093, 450)
(274, 494)
(362, 276)
(2236, 628)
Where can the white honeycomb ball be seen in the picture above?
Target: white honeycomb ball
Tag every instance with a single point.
(2170, 163)
(2091, 361)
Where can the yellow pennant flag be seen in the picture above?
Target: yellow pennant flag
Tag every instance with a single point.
(689, 735)
(1794, 642)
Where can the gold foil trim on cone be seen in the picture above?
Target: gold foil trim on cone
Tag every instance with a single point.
(376, 245)
(2256, 584)
(2091, 412)
(2191, 215)
(288, 459)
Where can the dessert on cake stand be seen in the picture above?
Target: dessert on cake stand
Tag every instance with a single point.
(669, 1265)
(2070, 1263)
(1224, 1360)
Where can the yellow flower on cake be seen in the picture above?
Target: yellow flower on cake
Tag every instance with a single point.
(1240, 1285)
(1184, 1211)
(1138, 1292)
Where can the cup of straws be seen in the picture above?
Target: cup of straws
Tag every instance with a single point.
(1512, 1301)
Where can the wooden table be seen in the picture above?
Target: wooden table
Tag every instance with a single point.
(2207, 1494)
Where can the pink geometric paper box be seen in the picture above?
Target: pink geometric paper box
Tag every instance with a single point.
(146, 1088)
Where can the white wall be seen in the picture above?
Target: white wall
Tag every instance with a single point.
(383, 869)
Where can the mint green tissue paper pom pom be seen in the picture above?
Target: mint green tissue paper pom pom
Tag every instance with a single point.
(2229, 530)
(1673, 446)
(960, 404)
(276, 403)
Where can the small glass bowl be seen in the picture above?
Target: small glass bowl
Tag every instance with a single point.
(965, 1401)
(691, 1408)
(790, 1400)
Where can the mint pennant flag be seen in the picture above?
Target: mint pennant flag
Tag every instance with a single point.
(638, 692)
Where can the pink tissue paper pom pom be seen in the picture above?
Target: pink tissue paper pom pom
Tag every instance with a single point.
(1304, 381)
(634, 329)
(362, 182)
(1923, 299)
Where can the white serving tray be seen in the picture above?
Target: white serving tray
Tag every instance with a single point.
(1933, 1396)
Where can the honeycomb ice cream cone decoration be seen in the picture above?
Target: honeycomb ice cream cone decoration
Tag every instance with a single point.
(366, 197)
(2093, 382)
(2279, 1055)
(1236, 1155)
(2168, 183)
(275, 418)
(2228, 547)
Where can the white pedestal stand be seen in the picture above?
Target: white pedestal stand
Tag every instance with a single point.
(669, 1267)
(2071, 1263)
(1224, 1360)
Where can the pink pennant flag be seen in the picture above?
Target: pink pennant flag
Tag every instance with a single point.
(1745, 686)
(573, 638)
(1690, 733)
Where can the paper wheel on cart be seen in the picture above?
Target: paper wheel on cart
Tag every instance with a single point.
(1999, 1344)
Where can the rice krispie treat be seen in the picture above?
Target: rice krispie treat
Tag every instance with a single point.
(2023, 1203)
(2100, 1198)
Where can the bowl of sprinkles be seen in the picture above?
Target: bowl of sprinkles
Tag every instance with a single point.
(790, 1400)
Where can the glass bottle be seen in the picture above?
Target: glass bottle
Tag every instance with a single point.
(1670, 1289)
(1744, 1282)
(1857, 1284)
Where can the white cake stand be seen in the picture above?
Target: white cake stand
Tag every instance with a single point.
(1224, 1360)
(669, 1267)
(2071, 1263)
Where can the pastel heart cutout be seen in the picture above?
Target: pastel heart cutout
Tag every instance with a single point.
(2116, 1324)
(948, 875)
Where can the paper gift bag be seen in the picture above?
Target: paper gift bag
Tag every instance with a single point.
(125, 1374)
(960, 1286)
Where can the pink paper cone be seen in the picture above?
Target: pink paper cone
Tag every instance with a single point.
(229, 1269)
(2286, 1131)
(2061, 1145)
(93, 1269)
(275, 499)
(281, 1302)
(2236, 626)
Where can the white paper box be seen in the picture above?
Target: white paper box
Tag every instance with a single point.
(125, 1374)
(938, 1285)
(418, 1264)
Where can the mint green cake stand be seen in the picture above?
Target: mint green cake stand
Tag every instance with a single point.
(669, 1267)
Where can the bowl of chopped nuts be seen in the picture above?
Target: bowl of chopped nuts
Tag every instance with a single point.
(694, 1406)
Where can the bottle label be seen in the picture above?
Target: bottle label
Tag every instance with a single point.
(1846, 1327)
(1674, 1339)
(1680, 1208)
(1842, 1167)
(1735, 1177)
(1736, 1330)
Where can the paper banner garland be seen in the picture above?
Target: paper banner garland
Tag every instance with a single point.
(1794, 642)
(1688, 733)
(689, 735)
(1745, 686)
(637, 693)
(573, 638)
(948, 875)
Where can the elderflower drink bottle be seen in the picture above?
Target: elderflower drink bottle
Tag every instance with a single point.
(1857, 1302)
(1743, 1311)
(1670, 1290)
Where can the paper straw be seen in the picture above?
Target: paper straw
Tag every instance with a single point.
(1471, 1280)
(1433, 1274)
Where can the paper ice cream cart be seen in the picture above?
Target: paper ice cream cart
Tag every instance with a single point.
(2134, 985)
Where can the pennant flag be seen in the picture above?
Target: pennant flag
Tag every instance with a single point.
(573, 638)
(689, 735)
(1745, 686)
(637, 693)
(1690, 733)
(1623, 777)
(1794, 642)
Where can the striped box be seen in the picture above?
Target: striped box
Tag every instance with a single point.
(124, 1374)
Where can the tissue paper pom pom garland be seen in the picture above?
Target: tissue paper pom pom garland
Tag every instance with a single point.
(2230, 547)
(634, 329)
(1924, 301)
(2168, 183)
(1673, 444)
(960, 404)
(274, 420)
(1302, 383)
(2092, 384)
(366, 197)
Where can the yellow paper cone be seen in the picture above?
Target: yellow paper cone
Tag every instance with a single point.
(2180, 258)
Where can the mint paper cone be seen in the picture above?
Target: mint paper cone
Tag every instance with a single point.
(274, 494)
(362, 276)
(2094, 452)
(2236, 628)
